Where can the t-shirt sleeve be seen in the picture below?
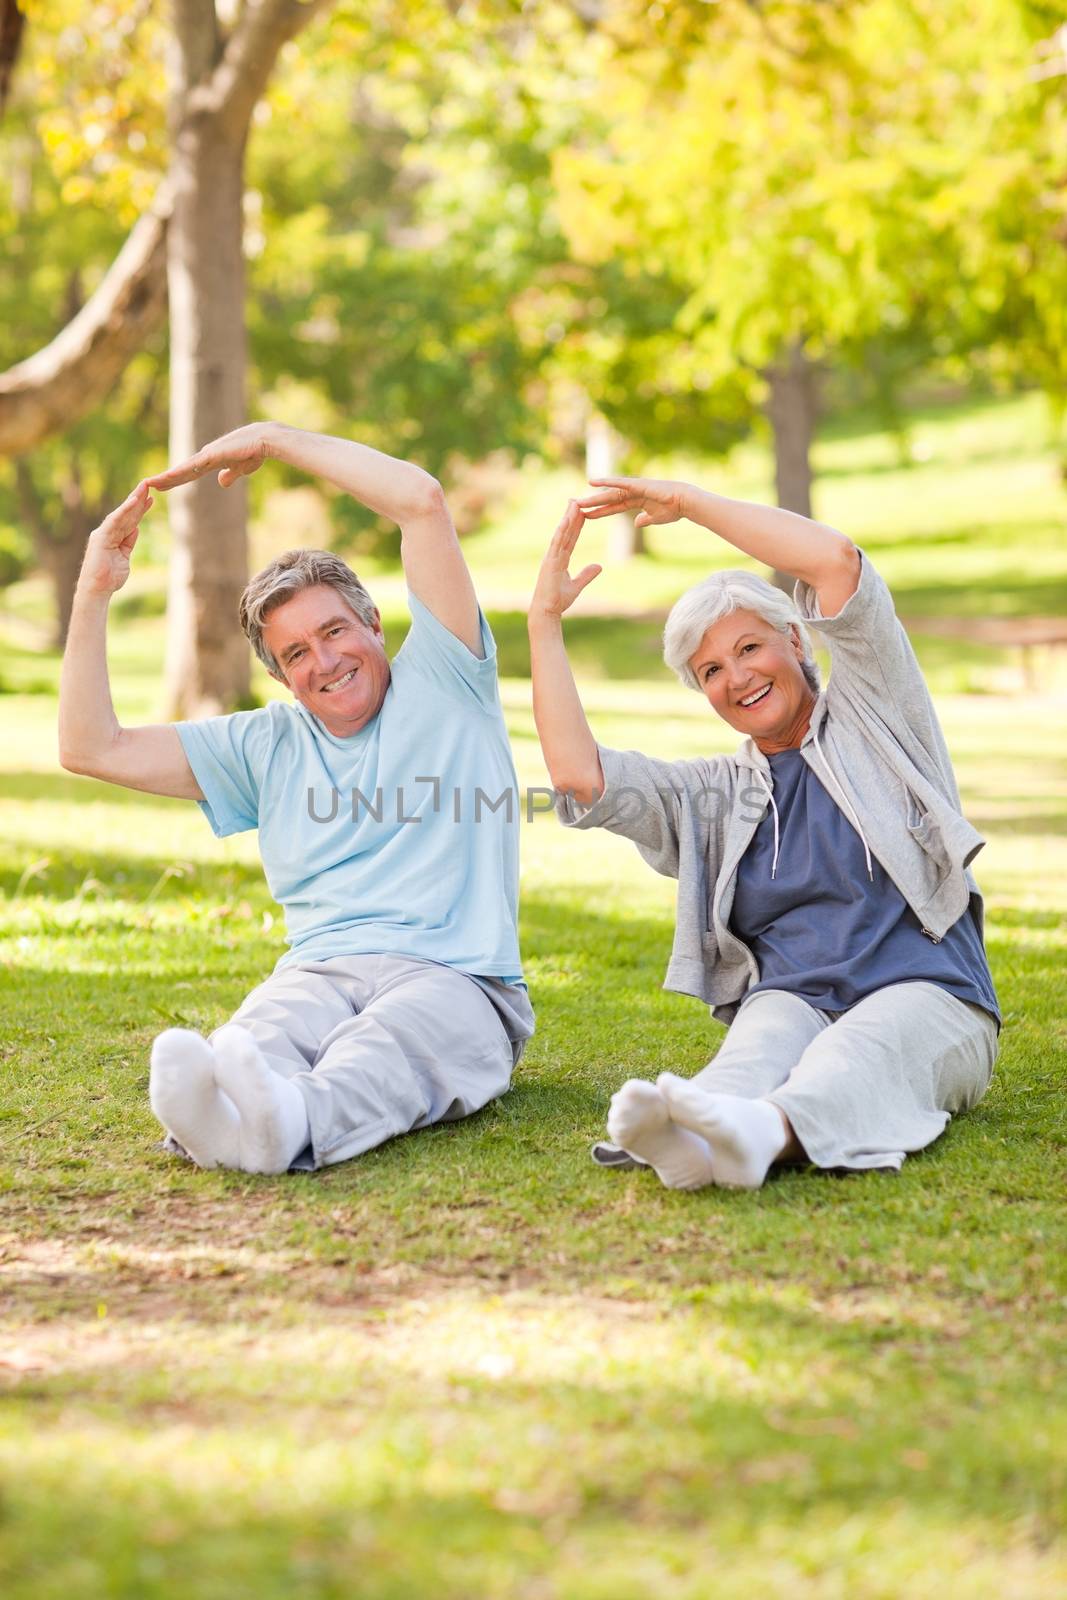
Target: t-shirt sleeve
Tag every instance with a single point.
(228, 757)
(433, 655)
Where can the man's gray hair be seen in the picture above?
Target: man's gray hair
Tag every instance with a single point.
(714, 598)
(286, 577)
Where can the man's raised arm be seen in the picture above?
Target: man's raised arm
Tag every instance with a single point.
(429, 548)
(91, 740)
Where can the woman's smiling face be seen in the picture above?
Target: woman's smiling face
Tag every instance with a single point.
(752, 676)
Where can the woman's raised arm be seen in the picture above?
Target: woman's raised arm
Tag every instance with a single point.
(567, 741)
(811, 551)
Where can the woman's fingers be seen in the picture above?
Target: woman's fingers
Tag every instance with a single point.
(586, 576)
(125, 517)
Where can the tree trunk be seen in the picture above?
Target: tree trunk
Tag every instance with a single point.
(793, 411)
(601, 455)
(216, 84)
(207, 654)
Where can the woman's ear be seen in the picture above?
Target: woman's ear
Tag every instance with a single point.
(798, 643)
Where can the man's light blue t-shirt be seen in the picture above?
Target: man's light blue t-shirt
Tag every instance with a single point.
(401, 839)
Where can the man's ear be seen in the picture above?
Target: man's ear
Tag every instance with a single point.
(376, 625)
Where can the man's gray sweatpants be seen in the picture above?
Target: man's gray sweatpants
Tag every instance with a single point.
(865, 1086)
(382, 1045)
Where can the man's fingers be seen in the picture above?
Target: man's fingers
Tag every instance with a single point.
(566, 535)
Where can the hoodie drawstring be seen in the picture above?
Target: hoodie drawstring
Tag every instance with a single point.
(774, 808)
(847, 804)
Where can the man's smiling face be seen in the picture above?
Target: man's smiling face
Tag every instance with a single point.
(335, 664)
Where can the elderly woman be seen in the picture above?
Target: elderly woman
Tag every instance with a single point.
(825, 905)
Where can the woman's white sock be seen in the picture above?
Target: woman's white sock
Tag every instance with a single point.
(187, 1100)
(640, 1122)
(744, 1136)
(274, 1125)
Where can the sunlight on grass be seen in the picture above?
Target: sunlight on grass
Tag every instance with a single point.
(471, 1363)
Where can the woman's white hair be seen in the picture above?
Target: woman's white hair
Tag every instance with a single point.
(714, 598)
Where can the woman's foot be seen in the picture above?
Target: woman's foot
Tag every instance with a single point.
(744, 1136)
(640, 1122)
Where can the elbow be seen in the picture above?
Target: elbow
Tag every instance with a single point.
(585, 785)
(425, 497)
(83, 762)
(71, 761)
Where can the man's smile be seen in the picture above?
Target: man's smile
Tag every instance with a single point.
(339, 683)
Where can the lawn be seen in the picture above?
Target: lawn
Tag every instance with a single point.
(471, 1364)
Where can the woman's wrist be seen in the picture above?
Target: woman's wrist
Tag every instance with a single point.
(544, 624)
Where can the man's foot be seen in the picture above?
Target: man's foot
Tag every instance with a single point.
(744, 1136)
(273, 1117)
(189, 1103)
(640, 1122)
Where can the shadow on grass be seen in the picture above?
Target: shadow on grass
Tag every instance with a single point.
(67, 789)
(95, 877)
(641, 1463)
(1004, 593)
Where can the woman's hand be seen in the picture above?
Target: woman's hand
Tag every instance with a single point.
(556, 590)
(233, 456)
(107, 554)
(654, 499)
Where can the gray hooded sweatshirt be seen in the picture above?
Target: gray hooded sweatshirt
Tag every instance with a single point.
(875, 743)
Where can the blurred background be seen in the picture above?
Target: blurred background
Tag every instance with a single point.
(812, 253)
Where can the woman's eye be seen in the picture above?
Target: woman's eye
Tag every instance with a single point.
(746, 648)
(709, 673)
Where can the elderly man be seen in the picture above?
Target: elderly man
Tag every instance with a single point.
(386, 803)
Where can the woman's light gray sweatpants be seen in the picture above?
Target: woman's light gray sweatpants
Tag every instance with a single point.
(382, 1045)
(862, 1087)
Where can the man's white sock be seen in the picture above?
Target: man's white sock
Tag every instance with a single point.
(744, 1136)
(274, 1125)
(640, 1122)
(189, 1103)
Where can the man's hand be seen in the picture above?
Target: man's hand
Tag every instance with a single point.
(107, 554)
(556, 590)
(654, 499)
(233, 456)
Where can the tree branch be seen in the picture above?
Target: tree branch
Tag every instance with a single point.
(68, 378)
(242, 75)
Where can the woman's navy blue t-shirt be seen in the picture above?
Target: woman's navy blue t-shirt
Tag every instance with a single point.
(820, 928)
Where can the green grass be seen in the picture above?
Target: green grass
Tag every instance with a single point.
(470, 1364)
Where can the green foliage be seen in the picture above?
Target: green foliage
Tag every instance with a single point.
(834, 175)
